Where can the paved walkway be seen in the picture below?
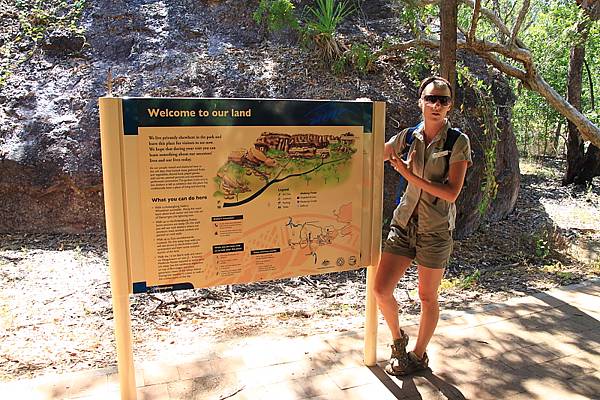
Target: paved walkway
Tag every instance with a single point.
(545, 346)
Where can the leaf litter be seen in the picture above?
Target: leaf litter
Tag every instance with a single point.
(56, 311)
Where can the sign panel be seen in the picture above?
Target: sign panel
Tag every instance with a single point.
(202, 192)
(224, 191)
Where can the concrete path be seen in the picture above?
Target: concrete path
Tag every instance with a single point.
(545, 346)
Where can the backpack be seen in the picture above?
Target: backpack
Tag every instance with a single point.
(451, 138)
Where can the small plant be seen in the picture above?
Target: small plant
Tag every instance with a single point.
(321, 25)
(463, 282)
(33, 19)
(549, 241)
(596, 267)
(362, 58)
(276, 15)
(38, 18)
(558, 271)
(328, 15)
(542, 248)
(418, 64)
(339, 66)
(447, 284)
(468, 281)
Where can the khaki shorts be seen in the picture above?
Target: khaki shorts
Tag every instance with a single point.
(431, 249)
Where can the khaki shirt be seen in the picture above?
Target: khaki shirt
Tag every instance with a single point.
(429, 163)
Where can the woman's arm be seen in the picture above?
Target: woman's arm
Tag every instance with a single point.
(388, 149)
(446, 191)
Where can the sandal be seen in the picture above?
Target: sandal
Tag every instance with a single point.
(399, 359)
(416, 364)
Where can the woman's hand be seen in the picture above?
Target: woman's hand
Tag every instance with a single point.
(401, 166)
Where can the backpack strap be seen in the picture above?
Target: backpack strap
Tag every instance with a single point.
(408, 139)
(452, 136)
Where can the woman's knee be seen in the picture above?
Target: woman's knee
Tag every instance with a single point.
(382, 290)
(428, 297)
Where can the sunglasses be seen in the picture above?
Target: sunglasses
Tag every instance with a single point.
(432, 99)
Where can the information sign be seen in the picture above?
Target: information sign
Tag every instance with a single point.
(224, 191)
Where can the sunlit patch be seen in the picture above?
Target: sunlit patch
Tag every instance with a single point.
(268, 68)
(572, 216)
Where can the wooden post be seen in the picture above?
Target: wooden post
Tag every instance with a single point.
(376, 196)
(112, 174)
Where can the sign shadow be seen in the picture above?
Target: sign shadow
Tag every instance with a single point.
(414, 385)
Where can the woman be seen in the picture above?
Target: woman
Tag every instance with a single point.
(422, 225)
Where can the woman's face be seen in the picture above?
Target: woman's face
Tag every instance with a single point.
(435, 102)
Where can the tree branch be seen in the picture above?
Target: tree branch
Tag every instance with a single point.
(474, 20)
(516, 53)
(480, 48)
(502, 66)
(422, 42)
(494, 19)
(490, 15)
(530, 79)
(519, 21)
(586, 128)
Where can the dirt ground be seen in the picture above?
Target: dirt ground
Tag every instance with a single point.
(56, 313)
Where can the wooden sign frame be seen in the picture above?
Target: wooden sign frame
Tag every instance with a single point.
(122, 192)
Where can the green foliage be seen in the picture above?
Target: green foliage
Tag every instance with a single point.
(415, 16)
(542, 247)
(276, 15)
(4, 74)
(465, 281)
(321, 25)
(549, 242)
(339, 66)
(359, 56)
(362, 58)
(34, 18)
(317, 29)
(38, 17)
(596, 267)
(550, 37)
(557, 271)
(419, 64)
(470, 280)
(326, 16)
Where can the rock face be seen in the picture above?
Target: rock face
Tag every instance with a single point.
(50, 164)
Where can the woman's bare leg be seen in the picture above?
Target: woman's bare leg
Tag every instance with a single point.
(389, 271)
(429, 282)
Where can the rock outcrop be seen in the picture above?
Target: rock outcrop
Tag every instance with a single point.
(50, 164)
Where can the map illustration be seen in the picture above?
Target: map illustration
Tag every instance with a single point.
(276, 157)
(311, 235)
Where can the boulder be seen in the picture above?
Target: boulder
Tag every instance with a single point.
(50, 168)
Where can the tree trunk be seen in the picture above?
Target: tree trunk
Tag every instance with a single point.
(448, 22)
(575, 149)
(590, 166)
(556, 140)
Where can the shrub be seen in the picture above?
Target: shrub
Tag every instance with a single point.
(321, 25)
(276, 15)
